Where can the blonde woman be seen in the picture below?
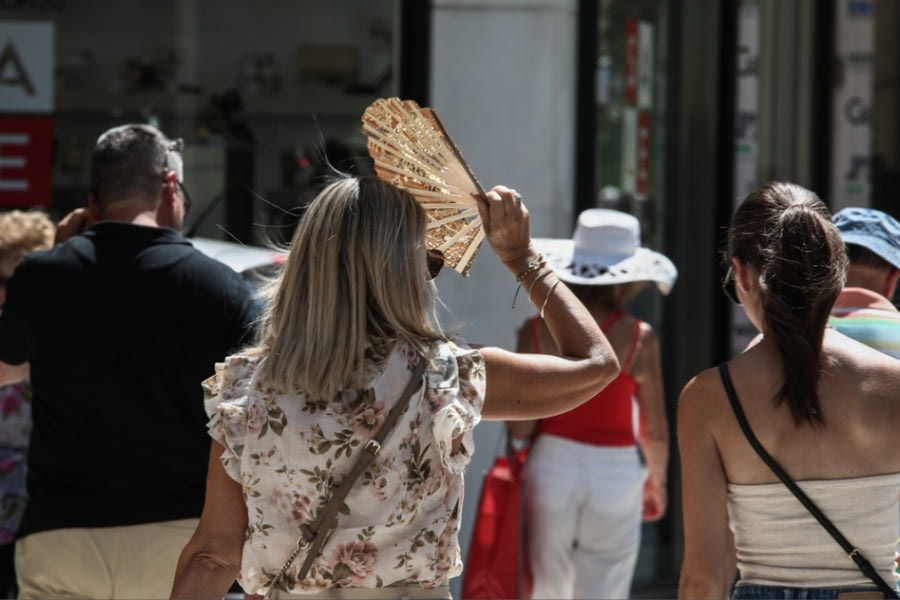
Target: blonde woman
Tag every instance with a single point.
(347, 321)
(21, 232)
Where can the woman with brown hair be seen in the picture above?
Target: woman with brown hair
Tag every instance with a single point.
(821, 405)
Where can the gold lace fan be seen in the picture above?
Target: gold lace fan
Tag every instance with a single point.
(413, 151)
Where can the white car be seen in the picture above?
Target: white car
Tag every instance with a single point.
(254, 263)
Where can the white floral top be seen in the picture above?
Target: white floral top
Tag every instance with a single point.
(401, 519)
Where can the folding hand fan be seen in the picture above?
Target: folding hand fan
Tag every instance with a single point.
(413, 151)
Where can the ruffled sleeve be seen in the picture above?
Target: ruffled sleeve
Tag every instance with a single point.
(456, 385)
(227, 401)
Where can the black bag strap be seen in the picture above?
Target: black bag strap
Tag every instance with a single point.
(864, 565)
(313, 535)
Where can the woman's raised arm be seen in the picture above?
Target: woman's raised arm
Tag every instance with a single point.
(530, 386)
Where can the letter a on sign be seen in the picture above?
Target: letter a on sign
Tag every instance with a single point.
(26, 67)
(12, 73)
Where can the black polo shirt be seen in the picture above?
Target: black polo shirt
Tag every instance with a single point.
(121, 325)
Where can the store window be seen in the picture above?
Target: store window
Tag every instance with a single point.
(263, 93)
(630, 101)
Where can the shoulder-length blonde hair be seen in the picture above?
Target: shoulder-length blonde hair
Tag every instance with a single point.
(356, 269)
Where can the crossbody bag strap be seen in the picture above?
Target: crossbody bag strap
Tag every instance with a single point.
(313, 535)
(864, 565)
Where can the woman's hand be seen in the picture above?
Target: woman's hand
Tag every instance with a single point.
(506, 225)
(655, 500)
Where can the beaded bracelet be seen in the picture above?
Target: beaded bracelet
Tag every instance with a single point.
(534, 265)
(547, 299)
(537, 263)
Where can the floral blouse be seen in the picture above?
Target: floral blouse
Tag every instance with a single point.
(401, 519)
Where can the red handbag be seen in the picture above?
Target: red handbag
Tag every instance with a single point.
(497, 565)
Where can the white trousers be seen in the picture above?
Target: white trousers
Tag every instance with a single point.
(583, 518)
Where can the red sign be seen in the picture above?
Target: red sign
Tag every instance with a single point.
(26, 161)
(642, 175)
(632, 53)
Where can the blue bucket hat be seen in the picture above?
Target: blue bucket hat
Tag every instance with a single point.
(872, 229)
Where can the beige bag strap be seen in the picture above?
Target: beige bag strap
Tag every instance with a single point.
(314, 535)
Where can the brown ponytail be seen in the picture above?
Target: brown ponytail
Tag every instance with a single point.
(785, 232)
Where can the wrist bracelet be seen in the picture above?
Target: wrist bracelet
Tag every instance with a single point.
(537, 263)
(536, 279)
(547, 299)
(534, 265)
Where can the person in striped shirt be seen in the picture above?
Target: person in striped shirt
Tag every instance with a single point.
(864, 310)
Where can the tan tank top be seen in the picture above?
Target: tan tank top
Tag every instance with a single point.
(778, 542)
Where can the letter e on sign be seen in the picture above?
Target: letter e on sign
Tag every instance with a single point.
(26, 165)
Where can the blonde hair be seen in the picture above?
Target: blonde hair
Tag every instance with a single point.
(22, 232)
(356, 269)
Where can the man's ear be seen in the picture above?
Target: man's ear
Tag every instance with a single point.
(890, 283)
(170, 185)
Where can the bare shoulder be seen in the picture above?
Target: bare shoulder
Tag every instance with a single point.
(700, 397)
(852, 363)
(647, 338)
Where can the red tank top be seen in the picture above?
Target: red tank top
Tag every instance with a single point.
(607, 418)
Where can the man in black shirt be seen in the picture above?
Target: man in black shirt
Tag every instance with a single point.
(121, 324)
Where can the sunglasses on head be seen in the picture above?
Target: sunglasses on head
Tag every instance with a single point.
(728, 286)
(435, 261)
(177, 145)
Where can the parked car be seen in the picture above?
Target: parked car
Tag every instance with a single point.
(254, 263)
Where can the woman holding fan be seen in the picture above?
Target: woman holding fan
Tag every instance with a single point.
(349, 337)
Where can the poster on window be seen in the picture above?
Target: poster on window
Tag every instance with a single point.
(638, 67)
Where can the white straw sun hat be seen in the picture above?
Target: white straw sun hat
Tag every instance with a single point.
(604, 250)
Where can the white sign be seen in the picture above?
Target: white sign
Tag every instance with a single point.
(851, 158)
(26, 67)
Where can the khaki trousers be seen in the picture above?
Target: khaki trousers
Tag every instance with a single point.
(135, 561)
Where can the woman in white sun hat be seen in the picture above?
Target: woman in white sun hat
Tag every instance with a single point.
(587, 488)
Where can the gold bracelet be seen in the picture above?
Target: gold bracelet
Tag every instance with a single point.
(547, 299)
(536, 279)
(534, 265)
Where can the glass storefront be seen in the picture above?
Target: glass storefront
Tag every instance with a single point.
(265, 95)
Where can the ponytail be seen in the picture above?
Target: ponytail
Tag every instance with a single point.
(785, 231)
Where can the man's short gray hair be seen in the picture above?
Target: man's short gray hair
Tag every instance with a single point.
(129, 160)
